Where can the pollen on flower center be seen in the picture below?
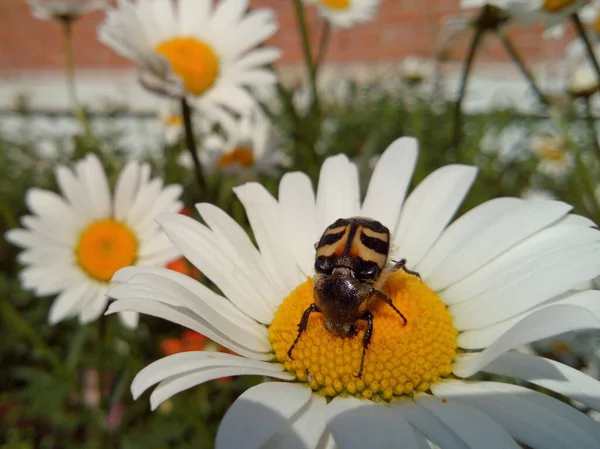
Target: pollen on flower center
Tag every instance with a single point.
(104, 247)
(336, 4)
(557, 5)
(194, 61)
(399, 361)
(242, 156)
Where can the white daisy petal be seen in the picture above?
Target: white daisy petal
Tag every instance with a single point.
(338, 195)
(343, 414)
(428, 424)
(183, 318)
(193, 15)
(525, 256)
(482, 338)
(91, 172)
(306, 429)
(126, 189)
(428, 209)
(198, 245)
(191, 361)
(93, 308)
(548, 374)
(50, 206)
(242, 251)
(263, 213)
(31, 240)
(531, 417)
(129, 319)
(389, 182)
(529, 286)
(543, 323)
(299, 216)
(462, 230)
(259, 413)
(69, 302)
(475, 428)
(71, 187)
(513, 227)
(144, 200)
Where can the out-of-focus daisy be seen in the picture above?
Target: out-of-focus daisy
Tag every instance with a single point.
(535, 194)
(63, 9)
(172, 126)
(583, 81)
(507, 144)
(415, 70)
(555, 159)
(499, 277)
(249, 147)
(346, 13)
(74, 243)
(194, 49)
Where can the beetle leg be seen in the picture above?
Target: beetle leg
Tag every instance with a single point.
(385, 298)
(368, 317)
(302, 326)
(401, 265)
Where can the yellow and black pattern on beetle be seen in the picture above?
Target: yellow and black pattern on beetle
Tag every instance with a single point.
(350, 266)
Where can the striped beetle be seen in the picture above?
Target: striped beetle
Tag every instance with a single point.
(351, 267)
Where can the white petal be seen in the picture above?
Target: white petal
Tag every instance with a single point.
(519, 259)
(75, 192)
(50, 206)
(428, 424)
(92, 173)
(462, 230)
(126, 189)
(129, 319)
(68, 303)
(185, 362)
(184, 318)
(144, 200)
(549, 374)
(338, 195)
(482, 338)
(389, 182)
(348, 417)
(541, 324)
(95, 305)
(234, 240)
(475, 428)
(259, 413)
(428, 209)
(306, 428)
(28, 239)
(198, 244)
(263, 213)
(299, 216)
(530, 417)
(511, 228)
(165, 201)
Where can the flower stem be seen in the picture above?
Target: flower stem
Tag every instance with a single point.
(18, 323)
(307, 51)
(190, 142)
(586, 42)
(78, 111)
(591, 122)
(475, 41)
(325, 36)
(512, 51)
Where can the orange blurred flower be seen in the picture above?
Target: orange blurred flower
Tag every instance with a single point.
(182, 266)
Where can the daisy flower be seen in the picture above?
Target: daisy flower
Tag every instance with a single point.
(346, 13)
(497, 278)
(63, 9)
(414, 70)
(74, 243)
(196, 50)
(249, 147)
(555, 160)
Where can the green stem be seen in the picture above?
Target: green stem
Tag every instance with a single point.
(17, 322)
(475, 41)
(307, 51)
(591, 122)
(71, 83)
(102, 386)
(586, 42)
(512, 51)
(325, 36)
(190, 141)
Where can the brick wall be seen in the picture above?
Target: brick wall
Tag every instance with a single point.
(403, 27)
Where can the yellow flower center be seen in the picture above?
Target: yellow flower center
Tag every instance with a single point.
(557, 5)
(242, 156)
(104, 247)
(173, 120)
(194, 61)
(336, 4)
(399, 361)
